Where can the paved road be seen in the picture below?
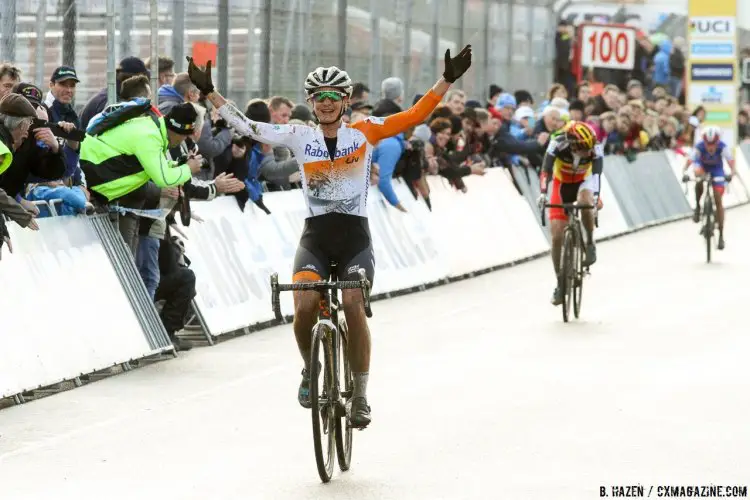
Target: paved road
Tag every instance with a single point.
(478, 391)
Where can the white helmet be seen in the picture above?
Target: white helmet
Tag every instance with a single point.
(711, 134)
(328, 77)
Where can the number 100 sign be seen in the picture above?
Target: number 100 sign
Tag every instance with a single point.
(607, 47)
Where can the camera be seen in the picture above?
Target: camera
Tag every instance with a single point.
(184, 159)
(57, 131)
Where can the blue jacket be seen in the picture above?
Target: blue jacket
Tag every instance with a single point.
(60, 112)
(253, 185)
(386, 155)
(661, 63)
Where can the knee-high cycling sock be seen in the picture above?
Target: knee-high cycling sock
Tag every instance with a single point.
(360, 384)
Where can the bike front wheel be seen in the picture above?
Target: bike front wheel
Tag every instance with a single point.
(708, 232)
(321, 404)
(344, 431)
(567, 271)
(578, 273)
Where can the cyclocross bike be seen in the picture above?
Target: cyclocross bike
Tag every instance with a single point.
(709, 207)
(329, 397)
(572, 270)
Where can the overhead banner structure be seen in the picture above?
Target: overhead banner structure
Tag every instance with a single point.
(713, 76)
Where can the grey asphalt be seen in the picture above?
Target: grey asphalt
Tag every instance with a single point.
(478, 390)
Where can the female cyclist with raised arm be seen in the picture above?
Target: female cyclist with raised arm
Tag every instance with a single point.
(334, 161)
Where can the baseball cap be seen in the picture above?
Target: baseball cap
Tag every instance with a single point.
(17, 105)
(31, 92)
(181, 119)
(63, 73)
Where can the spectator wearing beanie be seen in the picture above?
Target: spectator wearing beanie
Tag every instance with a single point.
(393, 97)
(129, 66)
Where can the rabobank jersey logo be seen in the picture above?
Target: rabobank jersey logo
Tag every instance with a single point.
(712, 72)
(318, 152)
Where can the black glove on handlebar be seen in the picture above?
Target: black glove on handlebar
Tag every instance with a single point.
(457, 66)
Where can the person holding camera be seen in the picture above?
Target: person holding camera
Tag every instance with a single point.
(126, 163)
(42, 160)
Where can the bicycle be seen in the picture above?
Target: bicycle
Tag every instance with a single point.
(329, 403)
(707, 230)
(572, 270)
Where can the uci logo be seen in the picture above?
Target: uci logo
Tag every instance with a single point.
(711, 26)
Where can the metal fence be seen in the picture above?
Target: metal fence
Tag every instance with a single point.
(268, 46)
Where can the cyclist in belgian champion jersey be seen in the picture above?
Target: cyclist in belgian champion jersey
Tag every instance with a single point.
(573, 163)
(709, 156)
(334, 161)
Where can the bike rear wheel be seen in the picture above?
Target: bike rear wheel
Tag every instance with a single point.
(567, 272)
(344, 431)
(578, 280)
(322, 409)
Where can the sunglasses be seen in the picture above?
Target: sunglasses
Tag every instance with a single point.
(327, 94)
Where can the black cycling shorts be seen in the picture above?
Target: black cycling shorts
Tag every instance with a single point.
(334, 238)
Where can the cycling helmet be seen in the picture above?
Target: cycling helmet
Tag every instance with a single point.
(328, 77)
(711, 134)
(580, 134)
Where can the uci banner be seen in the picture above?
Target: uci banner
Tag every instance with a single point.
(713, 75)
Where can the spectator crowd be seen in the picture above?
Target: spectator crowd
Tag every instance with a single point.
(44, 155)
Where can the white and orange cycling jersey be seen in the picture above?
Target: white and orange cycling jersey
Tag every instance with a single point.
(339, 185)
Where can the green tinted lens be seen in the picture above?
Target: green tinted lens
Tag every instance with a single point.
(328, 94)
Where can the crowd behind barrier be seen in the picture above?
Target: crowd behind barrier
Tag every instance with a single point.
(234, 252)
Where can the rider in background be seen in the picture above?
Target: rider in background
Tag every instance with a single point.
(574, 163)
(708, 157)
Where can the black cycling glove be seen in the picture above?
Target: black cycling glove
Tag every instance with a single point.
(200, 78)
(457, 66)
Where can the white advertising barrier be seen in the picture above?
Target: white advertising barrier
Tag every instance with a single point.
(233, 253)
(406, 252)
(489, 225)
(737, 191)
(611, 220)
(64, 310)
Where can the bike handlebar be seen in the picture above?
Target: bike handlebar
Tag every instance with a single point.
(569, 206)
(319, 286)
